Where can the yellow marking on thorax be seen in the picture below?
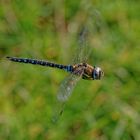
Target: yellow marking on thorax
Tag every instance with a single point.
(77, 65)
(89, 70)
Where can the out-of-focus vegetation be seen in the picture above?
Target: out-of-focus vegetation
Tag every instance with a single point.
(97, 110)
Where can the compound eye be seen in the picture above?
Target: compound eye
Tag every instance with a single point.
(97, 73)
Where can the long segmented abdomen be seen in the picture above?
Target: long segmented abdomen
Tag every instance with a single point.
(67, 68)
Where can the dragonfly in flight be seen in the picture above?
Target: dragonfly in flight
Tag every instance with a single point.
(84, 70)
(78, 70)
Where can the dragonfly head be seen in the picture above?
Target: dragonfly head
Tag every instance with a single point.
(97, 73)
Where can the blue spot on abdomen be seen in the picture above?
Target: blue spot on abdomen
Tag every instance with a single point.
(69, 68)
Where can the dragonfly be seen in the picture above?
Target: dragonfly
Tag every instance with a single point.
(80, 70)
(84, 70)
(76, 71)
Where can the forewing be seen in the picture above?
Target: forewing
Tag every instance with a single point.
(82, 51)
(65, 91)
(67, 87)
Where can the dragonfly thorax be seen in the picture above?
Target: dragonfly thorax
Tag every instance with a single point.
(87, 71)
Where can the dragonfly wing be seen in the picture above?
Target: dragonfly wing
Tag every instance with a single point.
(69, 83)
(65, 91)
(82, 51)
(67, 87)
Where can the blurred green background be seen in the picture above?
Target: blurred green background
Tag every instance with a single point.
(108, 109)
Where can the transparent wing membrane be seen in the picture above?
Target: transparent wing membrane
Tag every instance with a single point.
(68, 84)
(66, 87)
(81, 54)
(65, 91)
(82, 51)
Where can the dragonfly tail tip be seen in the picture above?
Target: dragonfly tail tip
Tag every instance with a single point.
(8, 57)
